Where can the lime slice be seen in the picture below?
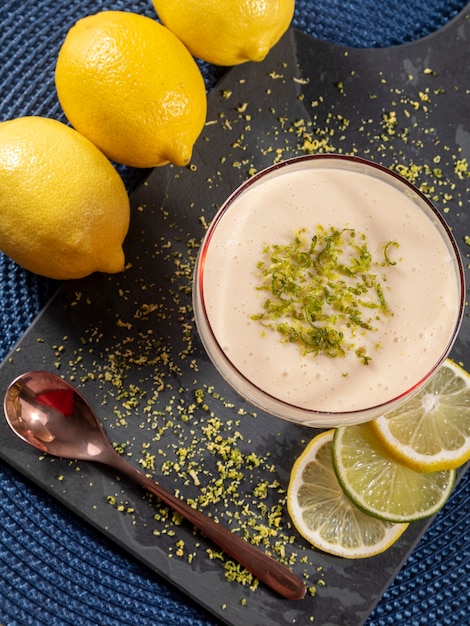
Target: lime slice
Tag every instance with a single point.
(381, 486)
(324, 516)
(431, 432)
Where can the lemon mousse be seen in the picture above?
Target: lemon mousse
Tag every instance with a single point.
(328, 290)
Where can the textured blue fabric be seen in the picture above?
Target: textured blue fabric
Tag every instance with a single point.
(54, 569)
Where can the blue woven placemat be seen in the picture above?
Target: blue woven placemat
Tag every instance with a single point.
(54, 569)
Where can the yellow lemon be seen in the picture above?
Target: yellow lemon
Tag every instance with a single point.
(129, 85)
(64, 210)
(227, 32)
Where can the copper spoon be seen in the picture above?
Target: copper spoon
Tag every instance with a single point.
(50, 414)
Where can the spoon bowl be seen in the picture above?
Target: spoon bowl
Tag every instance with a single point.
(48, 413)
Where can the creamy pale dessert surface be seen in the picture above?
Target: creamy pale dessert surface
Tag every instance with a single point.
(421, 288)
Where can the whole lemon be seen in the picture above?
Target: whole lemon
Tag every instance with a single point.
(128, 84)
(227, 32)
(64, 210)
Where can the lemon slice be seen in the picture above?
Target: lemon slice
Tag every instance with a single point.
(431, 432)
(324, 516)
(379, 485)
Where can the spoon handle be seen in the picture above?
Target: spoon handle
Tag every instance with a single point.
(277, 576)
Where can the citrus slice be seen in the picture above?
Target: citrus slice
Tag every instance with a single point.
(325, 516)
(379, 485)
(431, 432)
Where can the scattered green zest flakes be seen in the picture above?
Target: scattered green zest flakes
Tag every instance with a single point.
(324, 291)
(386, 252)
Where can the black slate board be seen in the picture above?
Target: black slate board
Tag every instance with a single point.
(406, 107)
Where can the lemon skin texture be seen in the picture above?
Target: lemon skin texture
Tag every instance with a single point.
(227, 32)
(130, 86)
(64, 210)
